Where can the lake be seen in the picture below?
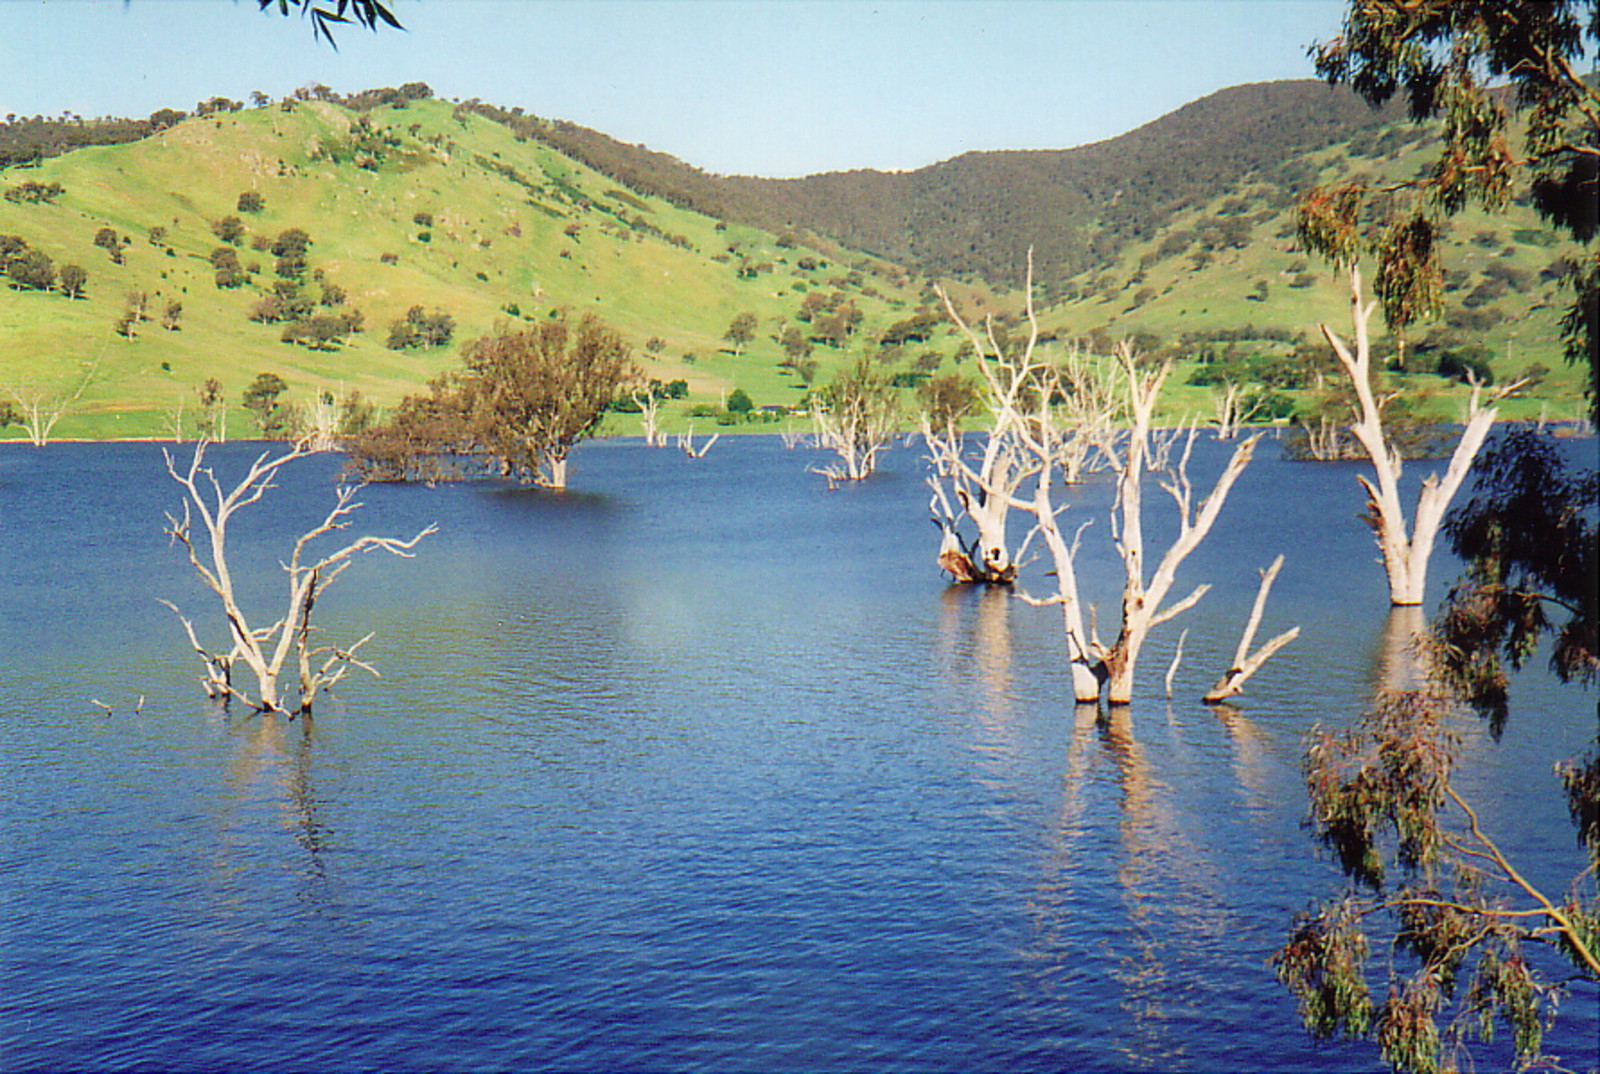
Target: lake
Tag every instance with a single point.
(696, 766)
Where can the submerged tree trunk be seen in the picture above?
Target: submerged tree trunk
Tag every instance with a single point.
(265, 651)
(1143, 600)
(1245, 663)
(1405, 551)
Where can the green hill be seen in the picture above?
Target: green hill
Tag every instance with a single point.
(423, 205)
(1180, 232)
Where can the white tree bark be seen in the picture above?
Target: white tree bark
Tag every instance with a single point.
(1245, 663)
(1405, 549)
(650, 418)
(1017, 391)
(686, 442)
(1143, 600)
(856, 430)
(266, 651)
(41, 409)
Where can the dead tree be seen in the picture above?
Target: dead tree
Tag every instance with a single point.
(267, 651)
(984, 489)
(686, 442)
(1017, 389)
(39, 410)
(1233, 409)
(650, 418)
(1245, 663)
(1143, 599)
(855, 417)
(1405, 554)
(1085, 653)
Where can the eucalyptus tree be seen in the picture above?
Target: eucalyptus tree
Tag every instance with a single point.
(1405, 548)
(522, 401)
(854, 417)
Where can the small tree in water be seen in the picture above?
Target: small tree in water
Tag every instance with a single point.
(855, 416)
(524, 400)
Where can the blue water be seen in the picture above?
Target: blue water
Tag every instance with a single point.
(698, 766)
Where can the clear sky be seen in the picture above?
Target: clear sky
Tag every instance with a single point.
(763, 87)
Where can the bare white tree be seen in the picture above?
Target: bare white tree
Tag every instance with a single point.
(1144, 599)
(1017, 389)
(1247, 663)
(1233, 409)
(41, 408)
(855, 418)
(985, 488)
(650, 418)
(267, 651)
(686, 442)
(1406, 550)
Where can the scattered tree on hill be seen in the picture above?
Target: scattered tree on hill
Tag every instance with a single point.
(268, 652)
(520, 405)
(290, 249)
(33, 192)
(418, 328)
(213, 420)
(261, 399)
(323, 331)
(72, 280)
(251, 201)
(230, 229)
(172, 315)
(32, 270)
(741, 330)
(796, 347)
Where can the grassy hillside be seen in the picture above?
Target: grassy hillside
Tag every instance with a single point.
(517, 230)
(440, 206)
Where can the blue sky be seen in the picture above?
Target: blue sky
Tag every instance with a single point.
(766, 87)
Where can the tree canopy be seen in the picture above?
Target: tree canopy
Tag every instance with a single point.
(523, 401)
(1472, 64)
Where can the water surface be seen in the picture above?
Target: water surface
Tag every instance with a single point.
(698, 766)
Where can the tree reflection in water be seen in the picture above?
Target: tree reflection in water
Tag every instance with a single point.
(275, 765)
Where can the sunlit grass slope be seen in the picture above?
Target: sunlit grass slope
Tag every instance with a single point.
(517, 231)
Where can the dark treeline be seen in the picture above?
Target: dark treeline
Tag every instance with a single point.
(28, 139)
(974, 214)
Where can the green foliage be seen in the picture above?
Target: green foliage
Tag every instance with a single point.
(230, 229)
(741, 330)
(739, 402)
(251, 201)
(30, 192)
(1529, 537)
(419, 328)
(326, 15)
(261, 399)
(522, 401)
(1385, 789)
(1439, 52)
(949, 400)
(31, 269)
(72, 279)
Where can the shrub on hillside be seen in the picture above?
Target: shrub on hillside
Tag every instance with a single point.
(420, 329)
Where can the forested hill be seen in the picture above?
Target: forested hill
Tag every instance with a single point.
(979, 212)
